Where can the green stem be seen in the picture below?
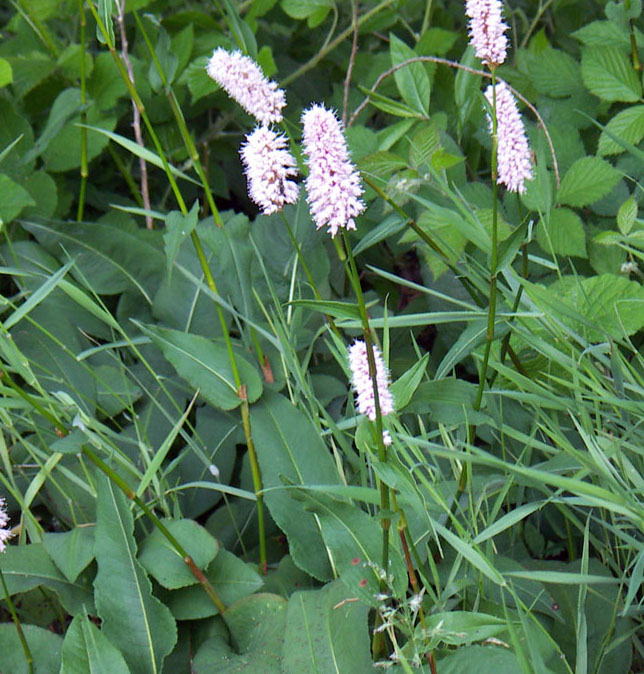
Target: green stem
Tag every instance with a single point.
(127, 176)
(16, 622)
(198, 249)
(83, 130)
(427, 16)
(181, 123)
(382, 450)
(491, 316)
(131, 495)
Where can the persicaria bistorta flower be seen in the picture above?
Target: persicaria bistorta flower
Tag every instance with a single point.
(5, 532)
(486, 30)
(363, 386)
(513, 154)
(242, 79)
(268, 166)
(333, 185)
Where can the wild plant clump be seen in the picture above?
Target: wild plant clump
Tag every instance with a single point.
(344, 385)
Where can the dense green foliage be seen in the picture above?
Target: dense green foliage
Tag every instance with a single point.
(516, 539)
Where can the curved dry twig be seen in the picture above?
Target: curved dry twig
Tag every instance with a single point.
(473, 71)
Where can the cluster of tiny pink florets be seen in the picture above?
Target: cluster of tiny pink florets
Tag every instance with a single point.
(333, 185)
(241, 78)
(269, 167)
(5, 532)
(487, 30)
(363, 385)
(513, 154)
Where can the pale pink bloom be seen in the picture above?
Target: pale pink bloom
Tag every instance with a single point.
(242, 79)
(363, 386)
(513, 155)
(486, 30)
(268, 166)
(333, 185)
(386, 438)
(5, 532)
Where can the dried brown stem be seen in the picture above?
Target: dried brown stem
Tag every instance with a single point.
(136, 114)
(352, 59)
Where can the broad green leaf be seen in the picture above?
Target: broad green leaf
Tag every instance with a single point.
(66, 105)
(404, 387)
(587, 181)
(448, 401)
(166, 59)
(511, 245)
(612, 304)
(71, 551)
(256, 625)
(86, 649)
(198, 81)
(115, 391)
(44, 191)
(456, 628)
(178, 228)
(324, 633)
(205, 365)
(480, 659)
(354, 541)
(27, 566)
(289, 447)
(389, 105)
(133, 619)
(563, 233)
(45, 647)
(412, 80)
(608, 73)
(106, 86)
(112, 257)
(627, 125)
(13, 199)
(314, 11)
(555, 73)
(424, 145)
(601, 34)
(29, 70)
(232, 580)
(466, 86)
(161, 560)
(627, 215)
(6, 73)
(63, 152)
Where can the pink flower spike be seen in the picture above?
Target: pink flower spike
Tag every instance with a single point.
(268, 166)
(5, 532)
(333, 185)
(513, 155)
(486, 30)
(363, 386)
(242, 79)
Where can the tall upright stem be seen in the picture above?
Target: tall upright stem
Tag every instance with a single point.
(491, 314)
(210, 281)
(21, 635)
(382, 449)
